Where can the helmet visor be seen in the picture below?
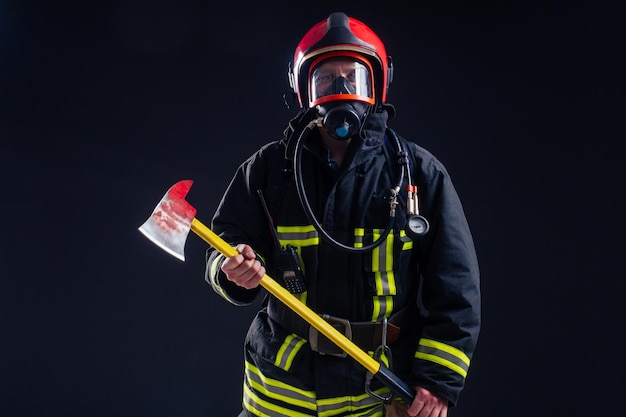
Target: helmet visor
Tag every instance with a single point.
(340, 76)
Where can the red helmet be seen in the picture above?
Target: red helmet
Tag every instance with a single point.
(347, 40)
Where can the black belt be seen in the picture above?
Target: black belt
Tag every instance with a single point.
(367, 335)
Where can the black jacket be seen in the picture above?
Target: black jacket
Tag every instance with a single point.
(436, 277)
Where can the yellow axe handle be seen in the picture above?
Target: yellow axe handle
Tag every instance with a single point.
(292, 302)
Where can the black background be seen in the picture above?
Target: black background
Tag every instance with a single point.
(106, 104)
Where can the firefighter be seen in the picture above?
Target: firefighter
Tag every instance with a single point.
(365, 228)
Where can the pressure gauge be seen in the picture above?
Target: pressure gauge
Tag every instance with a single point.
(417, 226)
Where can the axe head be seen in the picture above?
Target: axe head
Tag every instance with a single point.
(170, 222)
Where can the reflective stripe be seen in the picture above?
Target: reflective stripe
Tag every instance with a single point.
(384, 278)
(444, 355)
(214, 271)
(272, 398)
(260, 407)
(382, 265)
(407, 242)
(361, 405)
(275, 389)
(383, 306)
(298, 236)
(291, 346)
(359, 235)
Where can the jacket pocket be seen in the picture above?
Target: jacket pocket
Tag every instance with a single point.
(271, 343)
(277, 364)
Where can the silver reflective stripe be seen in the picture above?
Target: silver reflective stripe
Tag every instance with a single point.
(384, 278)
(271, 397)
(278, 390)
(444, 355)
(214, 271)
(290, 347)
(362, 405)
(383, 307)
(258, 406)
(382, 265)
(359, 237)
(298, 236)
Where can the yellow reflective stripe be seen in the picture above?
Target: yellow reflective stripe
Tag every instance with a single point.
(361, 405)
(383, 306)
(375, 254)
(384, 278)
(214, 271)
(260, 391)
(444, 355)
(376, 310)
(278, 390)
(290, 347)
(298, 235)
(371, 407)
(446, 348)
(260, 407)
(388, 256)
(407, 242)
(359, 234)
(382, 265)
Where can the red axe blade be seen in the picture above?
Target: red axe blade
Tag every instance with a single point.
(169, 224)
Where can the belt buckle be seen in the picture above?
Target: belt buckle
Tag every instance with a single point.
(323, 345)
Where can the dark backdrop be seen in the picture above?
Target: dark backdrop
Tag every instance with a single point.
(106, 104)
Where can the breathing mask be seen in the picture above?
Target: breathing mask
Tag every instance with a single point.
(342, 119)
(341, 90)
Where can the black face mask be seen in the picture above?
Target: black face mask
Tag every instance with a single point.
(342, 119)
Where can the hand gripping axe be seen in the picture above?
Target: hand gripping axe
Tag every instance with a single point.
(168, 228)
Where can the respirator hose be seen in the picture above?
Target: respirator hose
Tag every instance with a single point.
(297, 170)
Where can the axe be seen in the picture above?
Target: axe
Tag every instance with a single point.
(168, 228)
